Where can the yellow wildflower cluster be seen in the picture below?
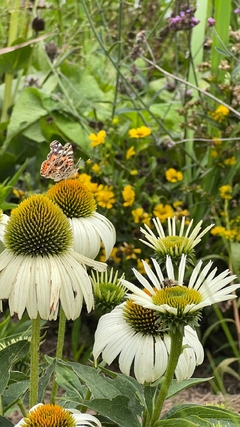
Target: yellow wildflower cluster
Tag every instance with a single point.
(128, 195)
(225, 192)
(172, 175)
(140, 216)
(163, 212)
(230, 161)
(103, 194)
(220, 113)
(232, 235)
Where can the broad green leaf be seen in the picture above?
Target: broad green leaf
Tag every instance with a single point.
(177, 422)
(177, 387)
(4, 422)
(69, 381)
(44, 381)
(19, 58)
(209, 413)
(27, 110)
(13, 393)
(117, 410)
(8, 357)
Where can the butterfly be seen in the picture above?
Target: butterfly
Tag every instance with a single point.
(60, 162)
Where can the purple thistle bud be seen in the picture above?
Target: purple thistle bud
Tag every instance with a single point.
(194, 22)
(211, 22)
(237, 11)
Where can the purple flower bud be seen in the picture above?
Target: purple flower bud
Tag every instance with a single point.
(194, 22)
(237, 11)
(211, 22)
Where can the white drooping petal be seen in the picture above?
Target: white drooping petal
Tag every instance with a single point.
(91, 232)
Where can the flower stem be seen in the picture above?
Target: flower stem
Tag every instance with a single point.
(59, 351)
(175, 352)
(34, 361)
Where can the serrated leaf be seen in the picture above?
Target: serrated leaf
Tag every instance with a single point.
(9, 356)
(69, 381)
(13, 393)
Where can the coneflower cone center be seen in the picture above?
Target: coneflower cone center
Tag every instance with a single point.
(75, 199)
(177, 296)
(171, 242)
(140, 318)
(38, 227)
(49, 415)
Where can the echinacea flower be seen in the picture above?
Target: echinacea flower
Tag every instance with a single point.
(175, 302)
(3, 222)
(108, 290)
(130, 332)
(39, 269)
(55, 416)
(90, 229)
(176, 243)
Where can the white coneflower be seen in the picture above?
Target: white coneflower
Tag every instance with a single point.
(39, 268)
(175, 243)
(91, 230)
(131, 332)
(55, 416)
(175, 301)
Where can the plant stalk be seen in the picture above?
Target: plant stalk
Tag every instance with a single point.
(34, 361)
(59, 351)
(175, 352)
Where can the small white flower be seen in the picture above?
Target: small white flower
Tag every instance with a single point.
(204, 288)
(55, 412)
(176, 243)
(131, 333)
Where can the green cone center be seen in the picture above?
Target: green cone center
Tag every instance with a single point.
(38, 227)
(177, 296)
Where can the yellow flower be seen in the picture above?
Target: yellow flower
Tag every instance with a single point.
(96, 168)
(139, 132)
(98, 138)
(140, 216)
(225, 192)
(230, 161)
(218, 231)
(130, 152)
(214, 153)
(217, 141)
(134, 172)
(220, 113)
(130, 251)
(163, 212)
(115, 121)
(86, 180)
(172, 175)
(105, 196)
(177, 203)
(128, 195)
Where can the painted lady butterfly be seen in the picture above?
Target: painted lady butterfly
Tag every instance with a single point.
(60, 162)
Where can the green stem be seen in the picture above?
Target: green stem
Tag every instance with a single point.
(59, 351)
(175, 352)
(118, 57)
(34, 361)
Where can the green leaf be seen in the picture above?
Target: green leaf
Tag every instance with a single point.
(8, 357)
(4, 422)
(19, 58)
(177, 387)
(117, 410)
(27, 110)
(177, 422)
(209, 413)
(13, 393)
(69, 381)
